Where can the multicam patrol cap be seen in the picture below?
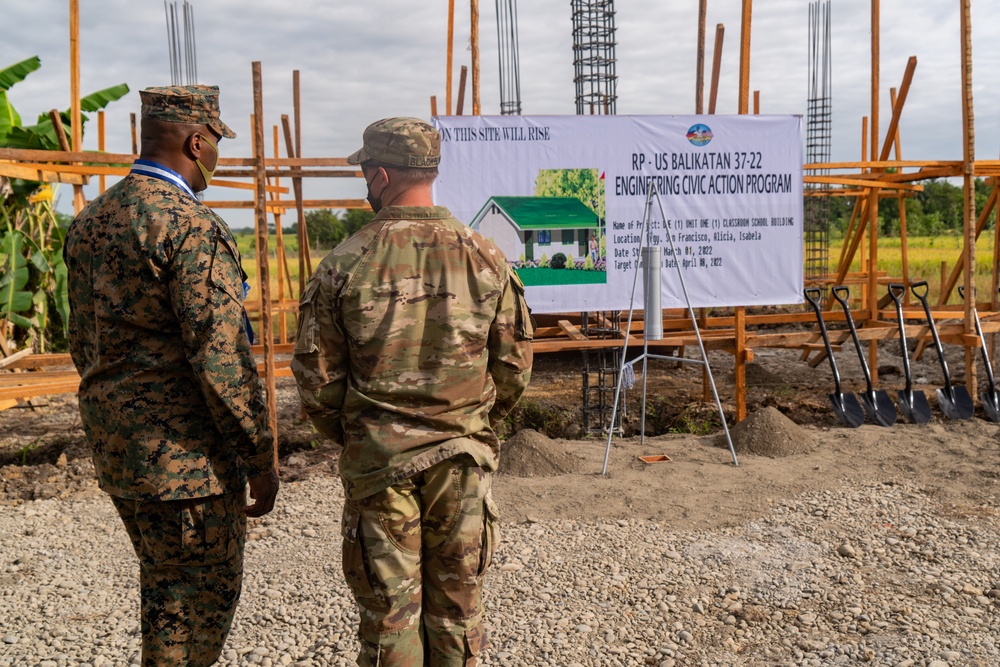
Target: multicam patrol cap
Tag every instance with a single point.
(185, 104)
(400, 142)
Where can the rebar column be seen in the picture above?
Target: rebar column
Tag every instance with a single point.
(594, 56)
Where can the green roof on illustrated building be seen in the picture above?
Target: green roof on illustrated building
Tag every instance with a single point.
(544, 212)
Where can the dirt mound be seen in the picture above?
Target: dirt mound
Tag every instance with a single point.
(767, 432)
(529, 453)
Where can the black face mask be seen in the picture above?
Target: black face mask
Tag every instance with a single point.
(373, 201)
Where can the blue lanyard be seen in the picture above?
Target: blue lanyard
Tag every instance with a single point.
(158, 171)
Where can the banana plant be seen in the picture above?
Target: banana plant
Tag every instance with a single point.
(32, 272)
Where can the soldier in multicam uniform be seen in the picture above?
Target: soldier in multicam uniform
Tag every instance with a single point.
(413, 343)
(169, 397)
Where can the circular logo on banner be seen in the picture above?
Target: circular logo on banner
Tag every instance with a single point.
(699, 134)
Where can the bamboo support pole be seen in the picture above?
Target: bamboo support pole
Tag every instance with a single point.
(863, 230)
(699, 86)
(739, 313)
(713, 93)
(279, 251)
(901, 204)
(278, 191)
(461, 90)
(57, 125)
(451, 48)
(745, 57)
(76, 126)
(871, 301)
(299, 208)
(892, 133)
(303, 223)
(994, 294)
(699, 102)
(101, 146)
(995, 291)
(969, 190)
(263, 268)
(474, 39)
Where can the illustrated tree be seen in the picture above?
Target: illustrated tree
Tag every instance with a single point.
(584, 184)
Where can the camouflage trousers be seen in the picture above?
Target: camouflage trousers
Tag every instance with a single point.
(190, 574)
(414, 558)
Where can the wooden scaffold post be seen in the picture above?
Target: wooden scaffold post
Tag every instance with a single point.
(263, 268)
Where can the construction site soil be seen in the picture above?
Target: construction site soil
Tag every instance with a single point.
(791, 443)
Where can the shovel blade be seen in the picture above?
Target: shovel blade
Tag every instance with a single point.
(991, 403)
(914, 406)
(956, 404)
(880, 407)
(847, 409)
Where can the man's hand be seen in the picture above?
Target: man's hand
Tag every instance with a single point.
(263, 490)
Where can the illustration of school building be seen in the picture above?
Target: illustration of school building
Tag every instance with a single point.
(533, 226)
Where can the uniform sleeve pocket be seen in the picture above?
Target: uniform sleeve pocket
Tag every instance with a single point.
(225, 273)
(305, 339)
(355, 567)
(491, 533)
(524, 327)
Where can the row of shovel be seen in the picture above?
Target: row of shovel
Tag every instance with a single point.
(954, 400)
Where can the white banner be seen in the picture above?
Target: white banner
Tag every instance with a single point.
(564, 197)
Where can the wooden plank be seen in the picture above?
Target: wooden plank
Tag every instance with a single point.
(92, 157)
(571, 330)
(863, 183)
(36, 377)
(739, 372)
(39, 389)
(71, 385)
(308, 203)
(883, 164)
(291, 173)
(20, 354)
(38, 173)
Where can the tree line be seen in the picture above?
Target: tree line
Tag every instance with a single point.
(327, 228)
(935, 211)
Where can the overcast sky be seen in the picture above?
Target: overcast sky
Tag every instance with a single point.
(361, 61)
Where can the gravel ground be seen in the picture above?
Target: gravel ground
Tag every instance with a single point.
(864, 574)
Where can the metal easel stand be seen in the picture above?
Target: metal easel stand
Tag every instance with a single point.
(652, 262)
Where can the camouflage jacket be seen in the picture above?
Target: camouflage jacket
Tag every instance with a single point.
(170, 399)
(413, 342)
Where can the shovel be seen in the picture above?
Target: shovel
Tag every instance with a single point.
(913, 404)
(878, 405)
(954, 400)
(991, 402)
(845, 406)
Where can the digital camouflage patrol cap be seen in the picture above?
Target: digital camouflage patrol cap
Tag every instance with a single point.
(400, 142)
(185, 104)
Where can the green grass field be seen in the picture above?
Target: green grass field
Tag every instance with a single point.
(925, 254)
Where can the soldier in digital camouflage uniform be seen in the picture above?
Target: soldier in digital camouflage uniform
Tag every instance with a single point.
(413, 343)
(169, 397)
